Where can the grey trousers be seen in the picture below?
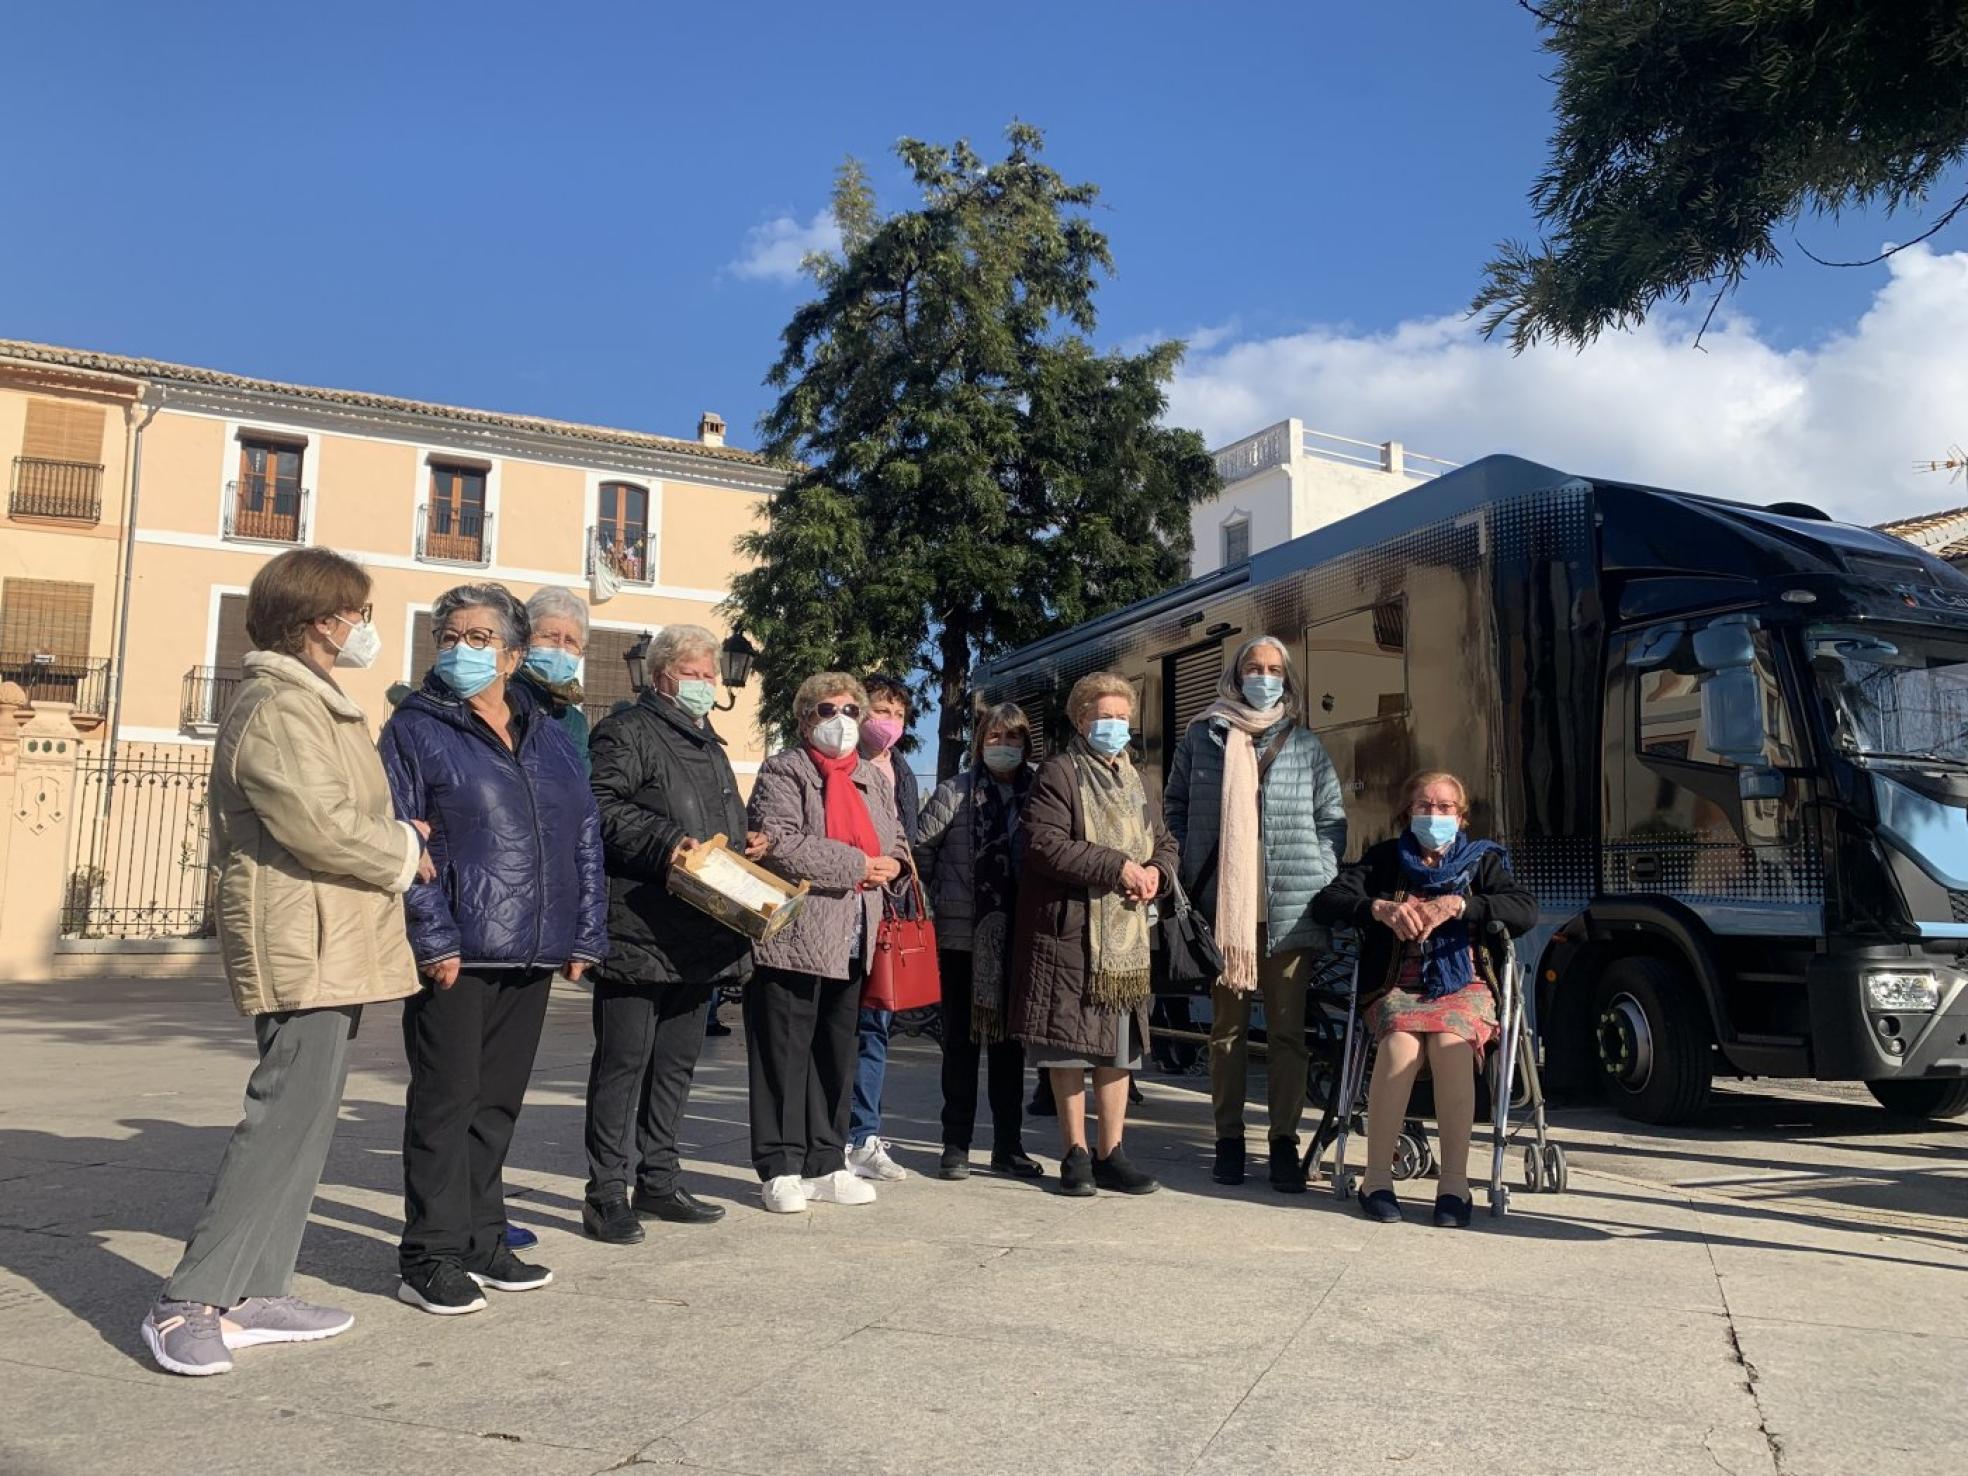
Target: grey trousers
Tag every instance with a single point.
(250, 1233)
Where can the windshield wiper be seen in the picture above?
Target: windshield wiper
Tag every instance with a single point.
(1909, 758)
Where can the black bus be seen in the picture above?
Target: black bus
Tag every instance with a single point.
(1726, 745)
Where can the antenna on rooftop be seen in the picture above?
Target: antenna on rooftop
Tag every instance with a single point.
(1955, 463)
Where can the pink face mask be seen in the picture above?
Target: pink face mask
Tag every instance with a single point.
(880, 734)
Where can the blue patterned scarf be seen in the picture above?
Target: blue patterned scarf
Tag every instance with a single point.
(1445, 961)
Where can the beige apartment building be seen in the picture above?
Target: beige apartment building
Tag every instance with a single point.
(177, 483)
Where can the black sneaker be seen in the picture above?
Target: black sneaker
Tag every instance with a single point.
(441, 1287)
(1017, 1163)
(611, 1221)
(954, 1164)
(1076, 1174)
(1287, 1170)
(508, 1273)
(1229, 1161)
(1115, 1173)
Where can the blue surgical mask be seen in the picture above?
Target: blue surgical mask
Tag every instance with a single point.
(1108, 736)
(467, 670)
(554, 665)
(1263, 692)
(1003, 758)
(696, 696)
(1435, 831)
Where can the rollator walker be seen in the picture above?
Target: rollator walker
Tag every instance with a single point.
(1509, 1068)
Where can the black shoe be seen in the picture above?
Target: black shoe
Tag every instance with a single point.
(441, 1287)
(1287, 1169)
(1017, 1163)
(1115, 1173)
(611, 1222)
(954, 1164)
(518, 1238)
(679, 1207)
(1451, 1213)
(1041, 1105)
(508, 1273)
(1229, 1161)
(1381, 1205)
(1076, 1174)
(1135, 1099)
(715, 1026)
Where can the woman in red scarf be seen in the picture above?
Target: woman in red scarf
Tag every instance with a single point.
(831, 819)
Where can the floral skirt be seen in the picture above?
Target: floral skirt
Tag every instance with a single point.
(1468, 1014)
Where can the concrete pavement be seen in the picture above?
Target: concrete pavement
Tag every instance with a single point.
(1783, 1289)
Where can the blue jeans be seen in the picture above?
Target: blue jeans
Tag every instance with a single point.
(870, 1066)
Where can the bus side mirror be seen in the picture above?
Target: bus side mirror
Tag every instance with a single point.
(1732, 715)
(1757, 783)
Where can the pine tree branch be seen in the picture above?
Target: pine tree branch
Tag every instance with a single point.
(1947, 218)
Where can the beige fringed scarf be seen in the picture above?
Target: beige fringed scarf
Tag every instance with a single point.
(1238, 837)
(1115, 811)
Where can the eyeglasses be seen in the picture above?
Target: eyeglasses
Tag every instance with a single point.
(361, 615)
(565, 642)
(478, 638)
(1435, 807)
(844, 709)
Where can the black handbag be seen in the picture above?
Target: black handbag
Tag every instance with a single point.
(1187, 960)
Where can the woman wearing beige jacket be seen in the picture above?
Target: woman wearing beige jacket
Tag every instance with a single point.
(311, 874)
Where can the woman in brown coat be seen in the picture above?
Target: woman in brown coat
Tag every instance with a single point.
(1096, 854)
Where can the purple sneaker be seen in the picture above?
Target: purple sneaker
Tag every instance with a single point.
(259, 1320)
(184, 1338)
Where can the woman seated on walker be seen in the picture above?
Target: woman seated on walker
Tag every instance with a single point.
(1423, 903)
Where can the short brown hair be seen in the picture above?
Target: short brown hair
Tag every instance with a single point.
(882, 685)
(296, 589)
(1088, 691)
(822, 685)
(1424, 780)
(1007, 717)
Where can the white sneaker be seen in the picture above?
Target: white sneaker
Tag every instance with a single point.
(785, 1195)
(871, 1161)
(839, 1187)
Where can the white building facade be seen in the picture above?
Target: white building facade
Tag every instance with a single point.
(1285, 481)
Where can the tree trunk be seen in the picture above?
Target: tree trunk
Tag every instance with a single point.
(952, 747)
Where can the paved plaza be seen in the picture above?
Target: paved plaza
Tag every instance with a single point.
(1784, 1288)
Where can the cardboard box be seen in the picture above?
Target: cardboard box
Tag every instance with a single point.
(720, 883)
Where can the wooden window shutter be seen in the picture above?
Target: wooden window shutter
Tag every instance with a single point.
(50, 615)
(605, 676)
(62, 430)
(231, 644)
(423, 648)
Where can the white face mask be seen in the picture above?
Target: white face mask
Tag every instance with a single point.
(361, 648)
(837, 736)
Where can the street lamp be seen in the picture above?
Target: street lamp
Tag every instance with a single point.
(735, 659)
(637, 660)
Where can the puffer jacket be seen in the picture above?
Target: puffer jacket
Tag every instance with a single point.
(312, 864)
(660, 777)
(1052, 947)
(1301, 815)
(946, 855)
(515, 835)
(789, 805)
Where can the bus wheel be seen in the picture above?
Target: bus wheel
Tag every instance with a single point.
(1945, 1097)
(1653, 1038)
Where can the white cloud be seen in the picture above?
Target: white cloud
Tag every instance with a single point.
(1839, 423)
(773, 251)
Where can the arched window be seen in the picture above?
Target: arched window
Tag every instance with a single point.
(622, 529)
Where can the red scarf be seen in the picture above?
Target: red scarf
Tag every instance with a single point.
(847, 812)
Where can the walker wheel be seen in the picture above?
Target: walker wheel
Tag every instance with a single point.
(1428, 1164)
(1557, 1172)
(1344, 1182)
(1410, 1157)
(1533, 1170)
(1499, 1201)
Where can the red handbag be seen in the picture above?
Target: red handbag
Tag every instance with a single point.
(904, 975)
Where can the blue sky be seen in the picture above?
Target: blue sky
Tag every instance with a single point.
(539, 209)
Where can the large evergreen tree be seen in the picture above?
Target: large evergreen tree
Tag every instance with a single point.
(1690, 131)
(969, 471)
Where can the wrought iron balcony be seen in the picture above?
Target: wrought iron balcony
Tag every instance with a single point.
(45, 678)
(70, 490)
(208, 692)
(454, 535)
(627, 554)
(263, 511)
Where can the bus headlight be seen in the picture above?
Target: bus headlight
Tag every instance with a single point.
(1902, 991)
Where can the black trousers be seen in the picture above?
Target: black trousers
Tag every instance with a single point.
(1004, 1076)
(647, 1039)
(471, 1051)
(801, 1044)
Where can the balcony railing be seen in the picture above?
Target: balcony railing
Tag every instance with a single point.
(208, 692)
(626, 554)
(56, 489)
(454, 535)
(82, 684)
(259, 511)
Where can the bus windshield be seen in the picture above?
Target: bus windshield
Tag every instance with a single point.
(1893, 694)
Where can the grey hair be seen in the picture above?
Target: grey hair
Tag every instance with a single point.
(557, 599)
(514, 627)
(1230, 686)
(674, 643)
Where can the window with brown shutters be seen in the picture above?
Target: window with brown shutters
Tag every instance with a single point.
(46, 617)
(423, 648)
(267, 497)
(59, 471)
(456, 526)
(622, 530)
(230, 642)
(605, 675)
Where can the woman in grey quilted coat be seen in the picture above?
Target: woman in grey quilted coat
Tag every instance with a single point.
(1255, 805)
(964, 846)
